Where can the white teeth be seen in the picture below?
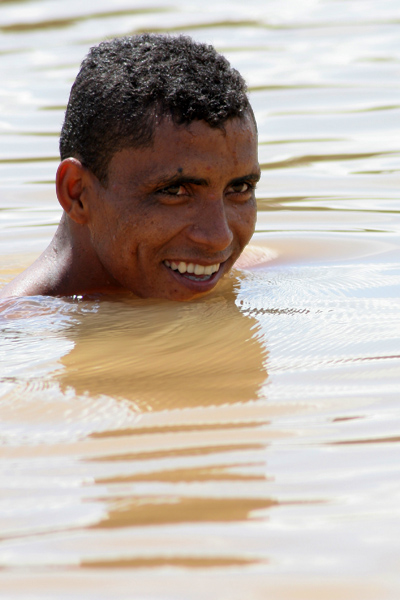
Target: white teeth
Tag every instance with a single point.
(182, 267)
(199, 270)
(194, 268)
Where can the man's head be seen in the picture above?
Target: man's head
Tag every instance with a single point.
(159, 165)
(127, 86)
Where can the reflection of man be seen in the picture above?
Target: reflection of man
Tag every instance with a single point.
(159, 164)
(166, 355)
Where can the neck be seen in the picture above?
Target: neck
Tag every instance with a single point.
(73, 266)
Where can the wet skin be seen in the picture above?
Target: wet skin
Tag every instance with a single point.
(187, 199)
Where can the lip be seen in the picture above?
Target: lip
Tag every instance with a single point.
(198, 286)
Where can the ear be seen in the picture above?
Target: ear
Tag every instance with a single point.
(72, 181)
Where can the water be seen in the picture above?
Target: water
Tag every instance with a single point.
(245, 445)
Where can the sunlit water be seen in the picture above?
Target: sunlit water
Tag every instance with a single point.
(245, 446)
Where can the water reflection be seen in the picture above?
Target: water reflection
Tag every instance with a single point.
(142, 511)
(166, 355)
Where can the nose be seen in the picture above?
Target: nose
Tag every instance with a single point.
(210, 227)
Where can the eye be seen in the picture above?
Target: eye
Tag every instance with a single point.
(242, 187)
(174, 190)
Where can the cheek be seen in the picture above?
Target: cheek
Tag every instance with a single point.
(112, 238)
(252, 214)
(247, 222)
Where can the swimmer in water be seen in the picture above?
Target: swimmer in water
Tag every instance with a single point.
(157, 175)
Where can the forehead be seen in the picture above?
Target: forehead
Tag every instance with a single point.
(190, 149)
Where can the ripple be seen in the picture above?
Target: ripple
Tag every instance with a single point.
(308, 160)
(57, 23)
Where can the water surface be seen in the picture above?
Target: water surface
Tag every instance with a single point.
(247, 444)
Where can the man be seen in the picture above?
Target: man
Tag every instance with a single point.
(157, 175)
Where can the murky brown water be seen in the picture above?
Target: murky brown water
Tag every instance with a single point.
(246, 445)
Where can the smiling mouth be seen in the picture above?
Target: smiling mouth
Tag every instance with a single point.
(193, 271)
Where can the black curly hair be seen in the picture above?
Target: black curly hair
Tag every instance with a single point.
(126, 85)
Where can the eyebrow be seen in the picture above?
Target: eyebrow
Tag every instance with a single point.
(250, 177)
(178, 178)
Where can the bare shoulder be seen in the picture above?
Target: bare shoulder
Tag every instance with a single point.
(34, 281)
